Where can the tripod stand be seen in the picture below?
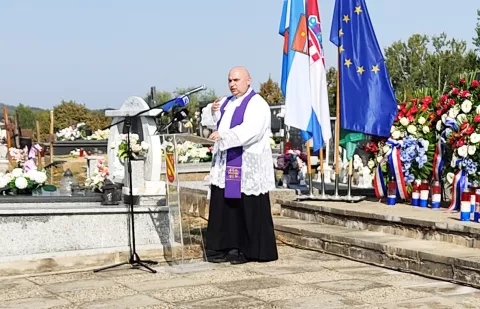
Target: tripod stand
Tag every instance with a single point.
(134, 258)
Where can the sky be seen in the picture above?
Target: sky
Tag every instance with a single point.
(99, 53)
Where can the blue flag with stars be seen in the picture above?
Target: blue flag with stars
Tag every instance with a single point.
(367, 100)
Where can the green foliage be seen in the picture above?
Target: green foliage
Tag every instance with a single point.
(271, 92)
(68, 113)
(422, 62)
(332, 90)
(476, 40)
(26, 117)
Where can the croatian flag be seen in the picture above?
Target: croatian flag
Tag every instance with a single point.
(304, 78)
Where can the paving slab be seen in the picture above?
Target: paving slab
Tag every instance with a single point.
(437, 259)
(299, 279)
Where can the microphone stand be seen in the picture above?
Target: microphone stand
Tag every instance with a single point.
(134, 257)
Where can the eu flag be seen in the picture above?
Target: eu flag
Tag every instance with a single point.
(367, 100)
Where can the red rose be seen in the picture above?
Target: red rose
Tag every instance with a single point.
(443, 98)
(445, 107)
(439, 112)
(462, 81)
(452, 84)
(451, 102)
(411, 118)
(475, 83)
(465, 94)
(427, 100)
(464, 126)
(460, 143)
(431, 116)
(414, 101)
(455, 91)
(470, 130)
(477, 119)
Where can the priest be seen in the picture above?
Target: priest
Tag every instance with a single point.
(240, 225)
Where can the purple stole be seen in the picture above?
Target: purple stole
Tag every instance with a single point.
(233, 171)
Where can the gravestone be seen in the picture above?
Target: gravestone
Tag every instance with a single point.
(145, 127)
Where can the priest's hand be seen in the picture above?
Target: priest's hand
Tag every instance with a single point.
(215, 136)
(216, 105)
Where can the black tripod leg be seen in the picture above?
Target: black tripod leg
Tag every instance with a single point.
(149, 262)
(147, 267)
(111, 266)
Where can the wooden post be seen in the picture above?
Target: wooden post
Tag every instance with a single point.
(16, 132)
(39, 155)
(7, 130)
(51, 146)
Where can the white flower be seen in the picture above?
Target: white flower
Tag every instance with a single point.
(386, 148)
(4, 181)
(477, 110)
(421, 120)
(472, 149)
(453, 112)
(463, 151)
(439, 125)
(411, 129)
(444, 118)
(404, 121)
(475, 138)
(450, 177)
(144, 145)
(466, 106)
(371, 164)
(426, 129)
(379, 159)
(136, 148)
(17, 172)
(40, 177)
(21, 183)
(461, 118)
(396, 134)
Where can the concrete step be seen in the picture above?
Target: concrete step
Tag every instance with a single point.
(403, 220)
(436, 259)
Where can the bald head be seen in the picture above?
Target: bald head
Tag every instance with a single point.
(238, 81)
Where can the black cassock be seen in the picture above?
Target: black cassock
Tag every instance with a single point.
(245, 224)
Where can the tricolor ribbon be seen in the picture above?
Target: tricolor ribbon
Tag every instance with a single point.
(440, 148)
(396, 168)
(379, 183)
(458, 185)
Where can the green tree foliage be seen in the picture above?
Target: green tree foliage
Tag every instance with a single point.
(332, 90)
(476, 39)
(422, 62)
(271, 92)
(68, 113)
(26, 117)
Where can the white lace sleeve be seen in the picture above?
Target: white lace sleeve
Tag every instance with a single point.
(210, 119)
(255, 124)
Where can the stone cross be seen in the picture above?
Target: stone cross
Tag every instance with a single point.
(145, 127)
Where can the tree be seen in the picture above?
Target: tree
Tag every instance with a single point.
(271, 92)
(332, 90)
(476, 40)
(26, 117)
(69, 113)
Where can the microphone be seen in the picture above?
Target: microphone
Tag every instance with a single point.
(182, 100)
(178, 116)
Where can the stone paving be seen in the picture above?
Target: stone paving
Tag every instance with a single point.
(299, 279)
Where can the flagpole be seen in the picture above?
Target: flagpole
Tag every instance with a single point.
(322, 174)
(337, 130)
(309, 169)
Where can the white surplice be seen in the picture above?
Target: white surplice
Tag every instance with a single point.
(253, 135)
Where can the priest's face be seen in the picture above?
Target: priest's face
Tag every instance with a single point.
(238, 81)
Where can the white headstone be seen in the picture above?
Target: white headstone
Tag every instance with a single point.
(146, 131)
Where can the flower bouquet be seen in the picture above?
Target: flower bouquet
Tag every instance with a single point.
(458, 127)
(189, 152)
(138, 149)
(409, 152)
(20, 182)
(97, 177)
(99, 135)
(72, 132)
(293, 165)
